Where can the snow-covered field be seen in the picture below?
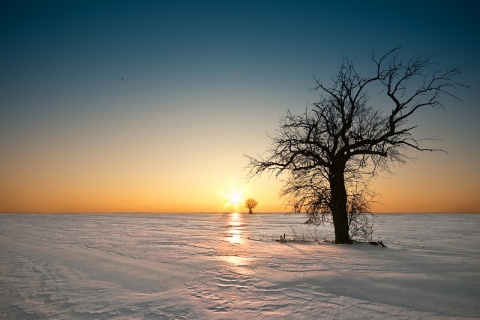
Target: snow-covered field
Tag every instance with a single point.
(229, 266)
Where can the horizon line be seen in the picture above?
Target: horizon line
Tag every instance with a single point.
(224, 212)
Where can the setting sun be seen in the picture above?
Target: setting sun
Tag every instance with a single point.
(235, 198)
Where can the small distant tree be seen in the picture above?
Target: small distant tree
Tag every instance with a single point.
(250, 204)
(342, 142)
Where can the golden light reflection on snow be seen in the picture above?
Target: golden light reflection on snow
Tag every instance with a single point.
(236, 226)
(235, 251)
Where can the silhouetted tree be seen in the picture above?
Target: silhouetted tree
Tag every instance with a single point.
(330, 152)
(250, 204)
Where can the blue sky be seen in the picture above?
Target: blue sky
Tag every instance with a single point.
(159, 95)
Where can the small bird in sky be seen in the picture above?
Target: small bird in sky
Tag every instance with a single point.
(123, 79)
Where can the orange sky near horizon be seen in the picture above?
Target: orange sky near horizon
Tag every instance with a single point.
(110, 187)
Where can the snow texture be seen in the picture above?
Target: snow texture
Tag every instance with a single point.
(229, 266)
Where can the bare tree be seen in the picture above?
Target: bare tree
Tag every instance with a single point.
(250, 204)
(331, 152)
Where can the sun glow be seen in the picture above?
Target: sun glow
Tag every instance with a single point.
(235, 198)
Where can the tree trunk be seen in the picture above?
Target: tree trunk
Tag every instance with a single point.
(339, 205)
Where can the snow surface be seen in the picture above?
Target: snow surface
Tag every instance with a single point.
(229, 266)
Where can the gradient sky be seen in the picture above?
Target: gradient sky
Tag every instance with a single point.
(149, 106)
